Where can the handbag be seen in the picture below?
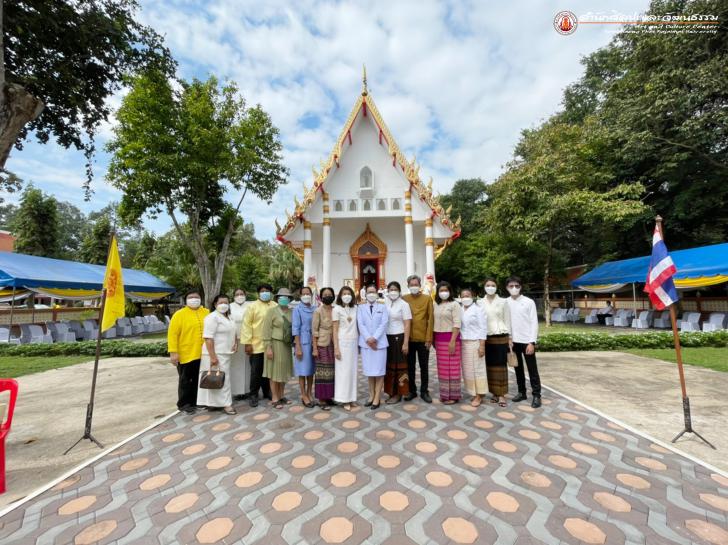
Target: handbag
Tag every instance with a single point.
(213, 379)
(512, 360)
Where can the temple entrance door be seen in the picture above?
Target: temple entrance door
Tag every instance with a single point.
(368, 254)
(368, 272)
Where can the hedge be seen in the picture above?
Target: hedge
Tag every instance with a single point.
(549, 342)
(563, 342)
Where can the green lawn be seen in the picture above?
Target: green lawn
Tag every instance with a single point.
(15, 366)
(712, 358)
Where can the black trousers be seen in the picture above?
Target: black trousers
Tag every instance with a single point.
(418, 351)
(257, 380)
(187, 388)
(520, 350)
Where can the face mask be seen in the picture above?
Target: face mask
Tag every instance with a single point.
(240, 299)
(283, 301)
(467, 301)
(222, 308)
(513, 290)
(414, 290)
(444, 295)
(327, 299)
(490, 290)
(346, 299)
(194, 302)
(265, 296)
(394, 295)
(372, 297)
(306, 299)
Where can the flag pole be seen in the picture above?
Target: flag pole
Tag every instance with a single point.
(90, 407)
(688, 427)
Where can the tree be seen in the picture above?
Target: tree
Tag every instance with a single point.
(7, 215)
(59, 63)
(72, 228)
(467, 199)
(556, 185)
(95, 245)
(35, 225)
(286, 270)
(181, 153)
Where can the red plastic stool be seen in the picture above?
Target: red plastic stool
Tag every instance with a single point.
(6, 384)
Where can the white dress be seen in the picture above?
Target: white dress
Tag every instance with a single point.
(222, 332)
(240, 364)
(345, 374)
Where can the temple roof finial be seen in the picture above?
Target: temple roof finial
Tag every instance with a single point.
(364, 90)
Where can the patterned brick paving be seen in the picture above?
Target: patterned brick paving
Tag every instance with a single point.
(406, 474)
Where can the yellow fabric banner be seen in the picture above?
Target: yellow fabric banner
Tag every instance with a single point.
(114, 284)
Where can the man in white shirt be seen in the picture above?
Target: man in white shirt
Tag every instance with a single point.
(524, 333)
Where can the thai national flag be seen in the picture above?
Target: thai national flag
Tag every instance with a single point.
(660, 285)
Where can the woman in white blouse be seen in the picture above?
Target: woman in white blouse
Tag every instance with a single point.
(220, 342)
(240, 364)
(473, 332)
(396, 383)
(346, 348)
(496, 347)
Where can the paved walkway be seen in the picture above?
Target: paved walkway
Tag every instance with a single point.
(408, 474)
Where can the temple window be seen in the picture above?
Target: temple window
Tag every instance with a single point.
(395, 204)
(381, 204)
(352, 206)
(365, 178)
(338, 206)
(367, 205)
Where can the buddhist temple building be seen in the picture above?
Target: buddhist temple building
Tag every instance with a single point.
(368, 217)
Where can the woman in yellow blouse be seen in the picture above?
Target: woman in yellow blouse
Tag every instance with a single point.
(184, 343)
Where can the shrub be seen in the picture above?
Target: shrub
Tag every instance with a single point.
(87, 348)
(563, 342)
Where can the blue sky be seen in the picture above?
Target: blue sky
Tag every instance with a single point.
(455, 81)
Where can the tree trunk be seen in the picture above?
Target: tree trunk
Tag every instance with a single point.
(17, 107)
(546, 274)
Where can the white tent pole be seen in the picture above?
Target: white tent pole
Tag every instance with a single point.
(634, 297)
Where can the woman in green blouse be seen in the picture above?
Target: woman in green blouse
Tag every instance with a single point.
(277, 337)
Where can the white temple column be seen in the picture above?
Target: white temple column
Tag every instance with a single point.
(326, 246)
(409, 241)
(307, 258)
(429, 248)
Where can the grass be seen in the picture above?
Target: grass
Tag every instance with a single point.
(711, 358)
(588, 328)
(16, 366)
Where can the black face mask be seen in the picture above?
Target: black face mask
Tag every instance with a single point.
(327, 299)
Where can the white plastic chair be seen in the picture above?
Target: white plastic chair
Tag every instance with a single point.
(91, 328)
(611, 320)
(137, 326)
(60, 332)
(591, 318)
(6, 337)
(690, 322)
(34, 334)
(662, 320)
(558, 315)
(644, 321)
(123, 327)
(716, 322)
(573, 315)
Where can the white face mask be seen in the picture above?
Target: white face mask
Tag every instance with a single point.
(414, 290)
(346, 299)
(513, 290)
(444, 295)
(194, 302)
(394, 295)
(240, 299)
(372, 297)
(490, 290)
(222, 308)
(306, 299)
(466, 301)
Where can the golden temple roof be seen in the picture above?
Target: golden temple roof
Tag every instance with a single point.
(410, 170)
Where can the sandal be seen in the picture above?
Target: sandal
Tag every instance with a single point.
(325, 407)
(278, 404)
(494, 399)
(285, 401)
(503, 403)
(347, 407)
(475, 402)
(449, 402)
(229, 410)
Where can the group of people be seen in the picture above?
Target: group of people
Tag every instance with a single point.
(260, 345)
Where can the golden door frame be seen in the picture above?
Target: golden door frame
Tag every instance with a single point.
(356, 253)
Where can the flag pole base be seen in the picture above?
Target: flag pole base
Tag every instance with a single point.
(87, 430)
(85, 436)
(689, 425)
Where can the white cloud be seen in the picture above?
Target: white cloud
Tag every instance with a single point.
(456, 81)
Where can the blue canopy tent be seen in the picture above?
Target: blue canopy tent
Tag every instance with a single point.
(20, 273)
(696, 268)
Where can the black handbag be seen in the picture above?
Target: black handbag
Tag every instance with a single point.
(213, 379)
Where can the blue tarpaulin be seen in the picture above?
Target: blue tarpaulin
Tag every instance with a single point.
(696, 267)
(56, 276)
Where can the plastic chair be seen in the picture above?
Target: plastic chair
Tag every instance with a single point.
(10, 385)
(716, 322)
(591, 318)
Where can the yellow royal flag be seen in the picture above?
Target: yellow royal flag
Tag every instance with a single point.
(114, 284)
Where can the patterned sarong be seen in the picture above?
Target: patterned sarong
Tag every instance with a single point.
(448, 367)
(473, 369)
(324, 389)
(396, 382)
